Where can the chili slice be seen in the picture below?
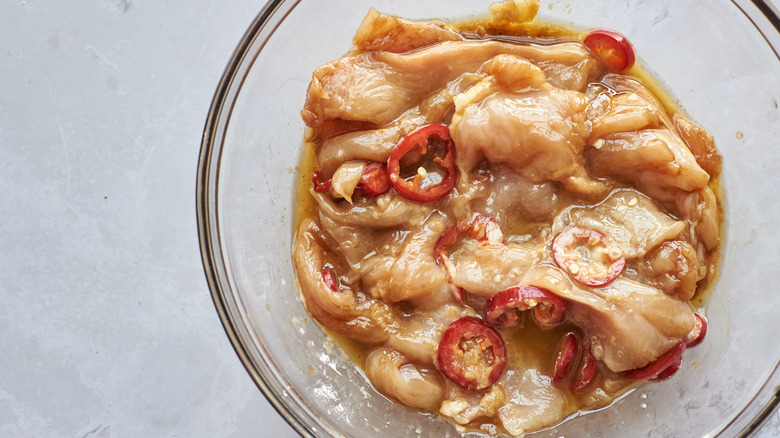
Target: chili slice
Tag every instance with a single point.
(567, 354)
(412, 188)
(502, 309)
(483, 228)
(670, 370)
(586, 256)
(696, 335)
(612, 48)
(587, 372)
(479, 227)
(329, 280)
(374, 181)
(573, 349)
(318, 186)
(471, 354)
(655, 370)
(448, 238)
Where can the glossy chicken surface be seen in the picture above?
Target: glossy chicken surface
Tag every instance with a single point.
(546, 140)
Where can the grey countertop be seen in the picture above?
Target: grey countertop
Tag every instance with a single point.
(107, 328)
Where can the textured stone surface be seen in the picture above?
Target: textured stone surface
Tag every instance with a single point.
(106, 323)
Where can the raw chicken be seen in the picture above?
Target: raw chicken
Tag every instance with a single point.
(377, 87)
(522, 178)
(504, 195)
(630, 220)
(486, 268)
(701, 144)
(385, 211)
(394, 34)
(345, 311)
(394, 375)
(533, 402)
(628, 324)
(515, 117)
(376, 144)
(673, 267)
(655, 160)
(405, 269)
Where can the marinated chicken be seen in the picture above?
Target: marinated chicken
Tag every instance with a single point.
(512, 227)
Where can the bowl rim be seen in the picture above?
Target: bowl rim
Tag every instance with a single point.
(747, 422)
(206, 197)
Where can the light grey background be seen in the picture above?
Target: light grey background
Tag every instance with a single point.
(106, 323)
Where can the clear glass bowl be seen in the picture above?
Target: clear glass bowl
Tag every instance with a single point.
(718, 58)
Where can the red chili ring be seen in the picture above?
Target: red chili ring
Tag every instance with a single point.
(574, 349)
(565, 257)
(471, 354)
(374, 181)
(656, 369)
(318, 186)
(412, 189)
(588, 369)
(612, 48)
(567, 354)
(549, 309)
(696, 335)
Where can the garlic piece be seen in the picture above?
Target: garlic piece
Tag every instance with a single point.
(346, 178)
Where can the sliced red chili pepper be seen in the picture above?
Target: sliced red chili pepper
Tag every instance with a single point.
(567, 354)
(574, 349)
(671, 370)
(479, 227)
(612, 48)
(502, 309)
(483, 228)
(330, 281)
(587, 372)
(413, 188)
(656, 368)
(471, 354)
(587, 257)
(448, 238)
(696, 335)
(374, 181)
(318, 186)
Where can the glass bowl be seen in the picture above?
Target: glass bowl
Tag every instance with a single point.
(718, 58)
